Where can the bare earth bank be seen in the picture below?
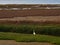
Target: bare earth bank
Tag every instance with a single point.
(12, 42)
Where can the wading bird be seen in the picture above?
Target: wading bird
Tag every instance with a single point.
(34, 32)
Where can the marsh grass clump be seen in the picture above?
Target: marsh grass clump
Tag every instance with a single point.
(28, 29)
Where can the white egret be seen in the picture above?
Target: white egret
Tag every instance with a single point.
(34, 32)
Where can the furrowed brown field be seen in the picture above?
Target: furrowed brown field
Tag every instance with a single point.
(33, 16)
(23, 13)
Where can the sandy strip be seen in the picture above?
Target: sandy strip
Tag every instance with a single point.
(12, 42)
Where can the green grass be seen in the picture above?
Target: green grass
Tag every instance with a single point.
(28, 29)
(29, 37)
(23, 33)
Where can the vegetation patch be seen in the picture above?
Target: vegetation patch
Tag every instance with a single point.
(28, 29)
(29, 37)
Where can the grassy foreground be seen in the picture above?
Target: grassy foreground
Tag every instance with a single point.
(29, 37)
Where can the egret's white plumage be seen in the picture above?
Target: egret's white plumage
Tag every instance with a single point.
(34, 33)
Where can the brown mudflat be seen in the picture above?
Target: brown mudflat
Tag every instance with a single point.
(31, 20)
(35, 16)
(12, 42)
(24, 13)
